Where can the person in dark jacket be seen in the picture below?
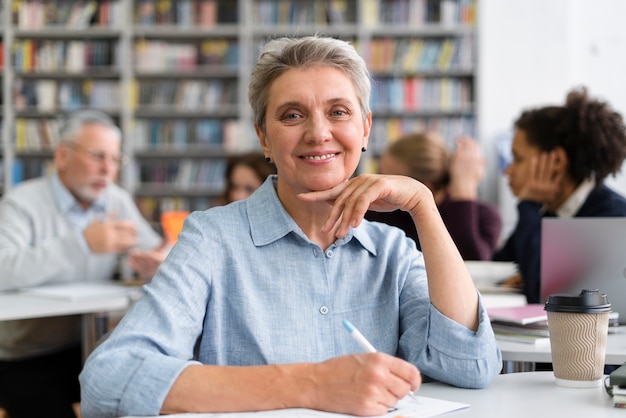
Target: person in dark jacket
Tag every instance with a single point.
(561, 157)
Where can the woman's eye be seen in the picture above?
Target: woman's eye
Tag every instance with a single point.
(291, 116)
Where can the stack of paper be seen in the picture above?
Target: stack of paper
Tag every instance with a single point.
(526, 324)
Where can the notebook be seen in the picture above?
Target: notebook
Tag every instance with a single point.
(520, 315)
(585, 253)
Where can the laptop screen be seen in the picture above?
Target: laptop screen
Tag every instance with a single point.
(584, 253)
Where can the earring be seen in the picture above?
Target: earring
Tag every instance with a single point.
(268, 160)
(363, 149)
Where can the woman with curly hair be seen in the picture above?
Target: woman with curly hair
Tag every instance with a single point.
(561, 156)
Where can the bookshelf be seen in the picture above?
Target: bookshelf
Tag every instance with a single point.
(174, 75)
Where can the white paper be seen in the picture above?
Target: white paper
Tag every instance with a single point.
(406, 408)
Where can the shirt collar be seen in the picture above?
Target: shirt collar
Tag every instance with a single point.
(67, 202)
(267, 229)
(573, 203)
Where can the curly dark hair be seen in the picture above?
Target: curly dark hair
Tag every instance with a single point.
(592, 134)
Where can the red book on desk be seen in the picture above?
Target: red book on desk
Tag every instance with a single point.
(520, 315)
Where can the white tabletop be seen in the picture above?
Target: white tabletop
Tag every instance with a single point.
(94, 309)
(17, 305)
(540, 353)
(523, 395)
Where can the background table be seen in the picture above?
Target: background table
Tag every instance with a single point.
(523, 395)
(521, 357)
(94, 311)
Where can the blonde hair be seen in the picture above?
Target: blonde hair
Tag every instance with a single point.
(426, 155)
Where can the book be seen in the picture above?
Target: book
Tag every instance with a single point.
(618, 376)
(539, 329)
(522, 338)
(521, 315)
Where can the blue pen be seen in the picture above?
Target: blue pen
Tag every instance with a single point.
(364, 344)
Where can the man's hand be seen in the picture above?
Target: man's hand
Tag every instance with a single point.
(146, 263)
(110, 236)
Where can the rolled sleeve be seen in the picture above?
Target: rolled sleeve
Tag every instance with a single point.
(457, 355)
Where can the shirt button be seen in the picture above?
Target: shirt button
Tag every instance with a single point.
(314, 252)
(329, 253)
(324, 310)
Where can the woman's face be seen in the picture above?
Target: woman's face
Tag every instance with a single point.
(314, 129)
(243, 181)
(519, 170)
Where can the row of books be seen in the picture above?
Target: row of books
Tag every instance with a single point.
(161, 55)
(70, 14)
(71, 56)
(185, 12)
(304, 12)
(421, 94)
(387, 129)
(187, 95)
(36, 134)
(54, 95)
(415, 12)
(413, 55)
(180, 134)
(152, 207)
(183, 174)
(28, 168)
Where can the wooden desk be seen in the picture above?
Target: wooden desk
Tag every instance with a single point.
(94, 311)
(523, 395)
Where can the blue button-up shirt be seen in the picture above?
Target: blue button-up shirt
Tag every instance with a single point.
(245, 286)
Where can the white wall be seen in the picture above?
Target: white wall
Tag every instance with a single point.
(531, 53)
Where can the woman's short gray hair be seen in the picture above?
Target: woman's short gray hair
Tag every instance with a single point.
(76, 120)
(282, 54)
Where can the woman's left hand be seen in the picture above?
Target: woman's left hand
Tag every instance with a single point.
(384, 193)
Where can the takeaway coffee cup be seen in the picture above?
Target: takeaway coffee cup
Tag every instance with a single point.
(578, 326)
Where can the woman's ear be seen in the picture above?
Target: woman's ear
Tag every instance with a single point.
(560, 159)
(262, 140)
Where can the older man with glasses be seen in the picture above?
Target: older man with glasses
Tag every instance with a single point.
(74, 225)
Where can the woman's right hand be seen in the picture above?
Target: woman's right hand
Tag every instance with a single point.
(363, 384)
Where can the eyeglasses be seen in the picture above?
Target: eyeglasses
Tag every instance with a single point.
(99, 157)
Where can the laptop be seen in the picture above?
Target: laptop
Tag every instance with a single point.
(585, 253)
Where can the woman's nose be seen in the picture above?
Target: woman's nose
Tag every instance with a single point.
(318, 128)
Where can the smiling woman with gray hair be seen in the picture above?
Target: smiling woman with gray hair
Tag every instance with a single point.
(246, 312)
